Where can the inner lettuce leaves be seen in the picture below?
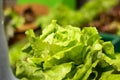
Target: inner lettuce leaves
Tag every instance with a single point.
(66, 53)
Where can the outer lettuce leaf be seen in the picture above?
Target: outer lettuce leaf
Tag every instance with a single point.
(108, 49)
(84, 72)
(57, 72)
(15, 53)
(109, 75)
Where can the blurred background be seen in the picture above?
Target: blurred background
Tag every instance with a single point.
(21, 15)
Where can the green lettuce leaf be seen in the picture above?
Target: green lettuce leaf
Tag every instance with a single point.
(110, 75)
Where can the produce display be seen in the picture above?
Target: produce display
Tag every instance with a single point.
(80, 17)
(65, 53)
(11, 22)
(64, 43)
(19, 18)
(108, 22)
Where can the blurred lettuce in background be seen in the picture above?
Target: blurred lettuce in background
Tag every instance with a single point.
(84, 15)
(49, 3)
